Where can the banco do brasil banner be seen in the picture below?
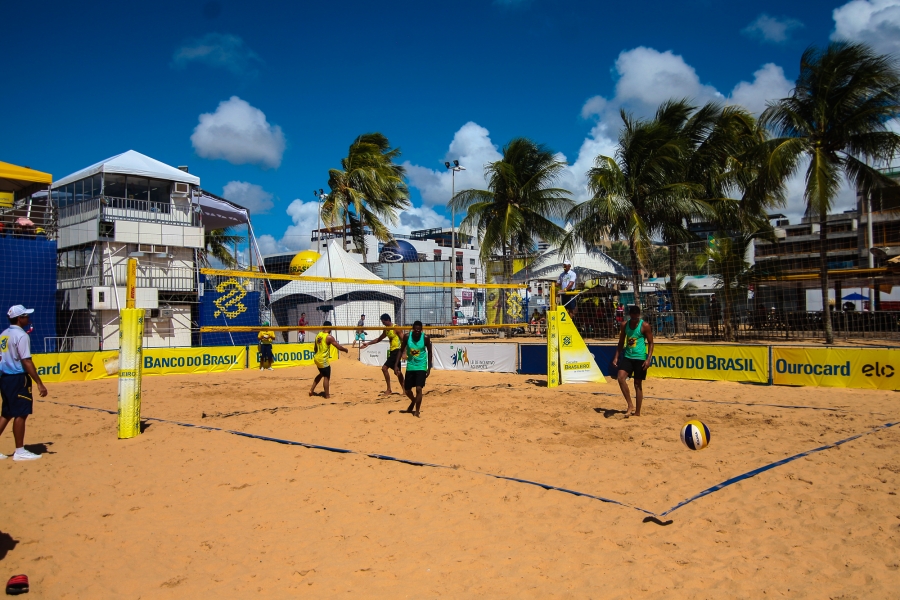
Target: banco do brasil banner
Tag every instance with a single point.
(165, 361)
(723, 363)
(289, 355)
(877, 369)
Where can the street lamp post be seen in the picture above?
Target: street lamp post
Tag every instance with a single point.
(322, 195)
(453, 170)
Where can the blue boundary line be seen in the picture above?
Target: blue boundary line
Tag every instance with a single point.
(719, 486)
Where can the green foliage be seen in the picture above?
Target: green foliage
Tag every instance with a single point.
(836, 121)
(520, 204)
(219, 244)
(368, 190)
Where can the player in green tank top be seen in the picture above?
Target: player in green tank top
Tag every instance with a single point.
(416, 346)
(632, 358)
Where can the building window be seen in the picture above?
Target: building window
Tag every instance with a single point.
(471, 275)
(160, 190)
(114, 186)
(137, 188)
(471, 261)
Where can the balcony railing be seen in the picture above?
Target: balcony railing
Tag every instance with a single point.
(174, 279)
(128, 209)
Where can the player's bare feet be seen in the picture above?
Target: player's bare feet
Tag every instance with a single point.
(387, 393)
(312, 393)
(416, 413)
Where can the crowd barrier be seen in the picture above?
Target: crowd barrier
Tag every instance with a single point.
(864, 368)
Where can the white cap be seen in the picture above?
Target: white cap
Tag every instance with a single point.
(18, 310)
(567, 262)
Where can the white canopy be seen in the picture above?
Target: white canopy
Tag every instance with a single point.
(337, 263)
(131, 163)
(588, 264)
(219, 213)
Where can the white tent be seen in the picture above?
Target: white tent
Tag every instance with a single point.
(131, 163)
(587, 264)
(348, 300)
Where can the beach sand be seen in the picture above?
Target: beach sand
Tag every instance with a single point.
(184, 512)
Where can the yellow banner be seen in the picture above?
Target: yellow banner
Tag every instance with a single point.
(576, 363)
(723, 363)
(866, 368)
(6, 199)
(165, 361)
(76, 366)
(289, 355)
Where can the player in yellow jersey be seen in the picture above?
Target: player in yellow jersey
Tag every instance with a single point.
(322, 358)
(393, 351)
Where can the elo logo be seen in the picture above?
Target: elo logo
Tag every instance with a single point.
(878, 370)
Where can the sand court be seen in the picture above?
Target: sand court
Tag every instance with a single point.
(181, 512)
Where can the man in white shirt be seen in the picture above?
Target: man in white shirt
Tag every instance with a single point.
(566, 283)
(17, 371)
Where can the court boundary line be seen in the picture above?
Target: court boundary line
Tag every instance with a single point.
(710, 490)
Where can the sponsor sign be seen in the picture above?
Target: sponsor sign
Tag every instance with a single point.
(876, 369)
(496, 358)
(289, 355)
(76, 366)
(724, 363)
(376, 354)
(576, 363)
(165, 361)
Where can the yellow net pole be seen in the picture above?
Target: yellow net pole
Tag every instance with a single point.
(131, 338)
(552, 297)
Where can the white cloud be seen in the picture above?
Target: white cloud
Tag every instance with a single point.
(648, 77)
(473, 148)
(776, 30)
(769, 83)
(269, 245)
(422, 217)
(304, 218)
(222, 50)
(875, 22)
(249, 195)
(239, 133)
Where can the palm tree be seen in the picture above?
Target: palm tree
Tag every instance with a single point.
(837, 118)
(727, 258)
(519, 205)
(218, 244)
(628, 189)
(367, 191)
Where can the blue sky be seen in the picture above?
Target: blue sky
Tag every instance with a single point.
(261, 99)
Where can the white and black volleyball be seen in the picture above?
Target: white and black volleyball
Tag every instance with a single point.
(695, 435)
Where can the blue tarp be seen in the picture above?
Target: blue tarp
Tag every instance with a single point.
(233, 309)
(28, 277)
(533, 358)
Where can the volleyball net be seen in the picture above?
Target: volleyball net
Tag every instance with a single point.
(295, 304)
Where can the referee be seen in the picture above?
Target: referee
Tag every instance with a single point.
(16, 374)
(566, 282)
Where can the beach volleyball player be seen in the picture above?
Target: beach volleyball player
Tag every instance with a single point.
(417, 347)
(632, 358)
(393, 351)
(322, 358)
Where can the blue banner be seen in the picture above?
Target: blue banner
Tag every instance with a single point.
(229, 304)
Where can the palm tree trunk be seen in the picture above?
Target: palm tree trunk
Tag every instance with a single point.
(346, 227)
(673, 284)
(823, 276)
(635, 272)
(726, 306)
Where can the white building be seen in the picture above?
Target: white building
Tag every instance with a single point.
(128, 206)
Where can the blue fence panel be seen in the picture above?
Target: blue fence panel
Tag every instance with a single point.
(28, 277)
(533, 358)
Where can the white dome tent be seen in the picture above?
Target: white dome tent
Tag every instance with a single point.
(343, 302)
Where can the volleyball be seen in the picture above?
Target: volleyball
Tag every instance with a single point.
(695, 435)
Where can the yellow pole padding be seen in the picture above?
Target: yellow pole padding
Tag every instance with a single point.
(131, 282)
(552, 348)
(552, 298)
(131, 341)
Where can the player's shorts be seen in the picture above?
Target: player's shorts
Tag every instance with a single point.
(325, 371)
(633, 367)
(391, 360)
(414, 379)
(16, 392)
(265, 352)
(361, 337)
